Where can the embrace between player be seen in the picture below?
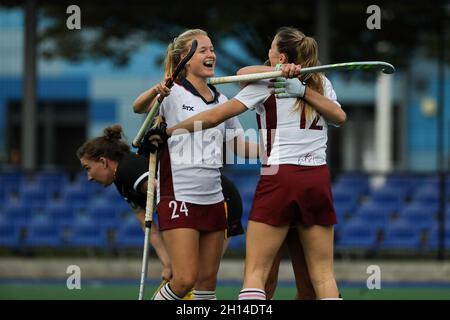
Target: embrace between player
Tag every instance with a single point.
(295, 198)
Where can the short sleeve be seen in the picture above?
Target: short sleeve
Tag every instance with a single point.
(254, 94)
(330, 94)
(329, 91)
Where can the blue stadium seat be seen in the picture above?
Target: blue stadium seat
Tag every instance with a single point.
(237, 242)
(345, 202)
(130, 234)
(389, 196)
(403, 182)
(10, 235)
(12, 179)
(34, 195)
(103, 213)
(53, 180)
(357, 233)
(123, 209)
(75, 193)
(43, 235)
(344, 210)
(112, 194)
(87, 235)
(400, 235)
(357, 182)
(4, 195)
(433, 238)
(427, 195)
(61, 214)
(17, 213)
(374, 214)
(418, 216)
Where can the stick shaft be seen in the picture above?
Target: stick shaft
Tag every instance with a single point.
(359, 65)
(148, 220)
(144, 264)
(147, 122)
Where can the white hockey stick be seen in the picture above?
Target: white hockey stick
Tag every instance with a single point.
(358, 65)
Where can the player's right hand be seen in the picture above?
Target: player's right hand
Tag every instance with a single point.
(161, 88)
(290, 70)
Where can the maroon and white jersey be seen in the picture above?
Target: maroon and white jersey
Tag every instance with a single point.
(285, 135)
(190, 163)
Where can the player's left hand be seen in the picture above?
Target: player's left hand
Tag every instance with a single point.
(154, 139)
(287, 88)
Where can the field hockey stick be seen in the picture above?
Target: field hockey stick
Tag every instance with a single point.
(148, 220)
(358, 65)
(169, 83)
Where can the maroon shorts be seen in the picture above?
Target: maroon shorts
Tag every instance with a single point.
(294, 194)
(174, 214)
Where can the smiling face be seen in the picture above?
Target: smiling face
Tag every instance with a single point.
(99, 171)
(203, 62)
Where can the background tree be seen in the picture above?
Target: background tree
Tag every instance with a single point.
(114, 30)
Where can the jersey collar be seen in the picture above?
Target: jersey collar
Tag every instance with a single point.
(189, 87)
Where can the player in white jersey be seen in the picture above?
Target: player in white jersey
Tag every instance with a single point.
(190, 207)
(295, 185)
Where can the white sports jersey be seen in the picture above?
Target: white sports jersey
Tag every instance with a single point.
(189, 167)
(286, 136)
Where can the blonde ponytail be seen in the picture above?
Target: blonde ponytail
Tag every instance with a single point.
(302, 50)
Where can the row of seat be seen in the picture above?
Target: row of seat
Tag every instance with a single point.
(129, 234)
(398, 235)
(360, 205)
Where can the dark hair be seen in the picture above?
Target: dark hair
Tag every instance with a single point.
(110, 145)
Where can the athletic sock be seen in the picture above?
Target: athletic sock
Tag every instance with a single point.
(204, 295)
(340, 298)
(165, 293)
(252, 294)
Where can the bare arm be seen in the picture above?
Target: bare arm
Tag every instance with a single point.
(158, 244)
(326, 107)
(210, 118)
(254, 69)
(289, 70)
(145, 100)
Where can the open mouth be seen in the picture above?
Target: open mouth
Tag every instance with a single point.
(208, 63)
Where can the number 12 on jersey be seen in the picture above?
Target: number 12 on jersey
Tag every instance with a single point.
(313, 125)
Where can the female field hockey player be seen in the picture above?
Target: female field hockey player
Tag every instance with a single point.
(107, 159)
(295, 183)
(191, 211)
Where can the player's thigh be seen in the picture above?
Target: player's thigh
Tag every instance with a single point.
(183, 249)
(210, 254)
(317, 242)
(262, 244)
(305, 289)
(210, 251)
